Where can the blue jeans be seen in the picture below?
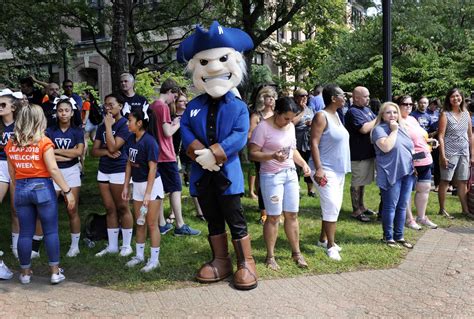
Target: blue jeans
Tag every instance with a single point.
(395, 200)
(36, 197)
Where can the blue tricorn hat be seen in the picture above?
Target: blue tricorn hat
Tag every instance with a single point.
(216, 37)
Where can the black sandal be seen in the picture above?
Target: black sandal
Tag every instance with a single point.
(444, 213)
(361, 217)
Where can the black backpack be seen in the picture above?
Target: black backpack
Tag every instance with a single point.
(95, 228)
(95, 113)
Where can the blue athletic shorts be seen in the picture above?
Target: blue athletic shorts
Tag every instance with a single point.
(170, 177)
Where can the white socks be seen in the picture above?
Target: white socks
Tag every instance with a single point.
(15, 240)
(155, 254)
(75, 240)
(112, 234)
(140, 248)
(127, 236)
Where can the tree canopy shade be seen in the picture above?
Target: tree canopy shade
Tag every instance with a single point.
(432, 47)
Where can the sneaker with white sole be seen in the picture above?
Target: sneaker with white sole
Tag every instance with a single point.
(5, 273)
(413, 225)
(185, 230)
(25, 279)
(150, 265)
(35, 254)
(426, 222)
(57, 278)
(333, 253)
(126, 251)
(106, 251)
(134, 261)
(73, 252)
(324, 244)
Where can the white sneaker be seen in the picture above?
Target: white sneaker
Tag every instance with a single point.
(5, 273)
(413, 225)
(25, 279)
(57, 278)
(134, 261)
(426, 222)
(150, 265)
(73, 252)
(324, 244)
(333, 253)
(106, 251)
(126, 251)
(35, 254)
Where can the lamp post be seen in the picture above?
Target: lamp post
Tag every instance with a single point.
(64, 48)
(387, 49)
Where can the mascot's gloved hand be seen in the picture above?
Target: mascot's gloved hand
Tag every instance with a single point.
(206, 159)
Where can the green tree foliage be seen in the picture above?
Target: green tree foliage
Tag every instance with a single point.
(432, 47)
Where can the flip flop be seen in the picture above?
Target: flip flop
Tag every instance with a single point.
(405, 244)
(390, 243)
(361, 217)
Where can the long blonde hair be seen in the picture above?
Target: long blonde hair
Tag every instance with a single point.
(259, 100)
(379, 118)
(30, 125)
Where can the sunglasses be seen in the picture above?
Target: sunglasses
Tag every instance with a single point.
(303, 95)
(406, 104)
(68, 86)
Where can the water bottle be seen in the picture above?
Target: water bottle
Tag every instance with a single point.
(89, 243)
(141, 219)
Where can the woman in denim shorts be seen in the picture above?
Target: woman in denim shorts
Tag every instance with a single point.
(273, 144)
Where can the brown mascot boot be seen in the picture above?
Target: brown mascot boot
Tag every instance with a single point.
(220, 266)
(245, 278)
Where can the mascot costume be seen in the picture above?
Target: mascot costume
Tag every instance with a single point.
(214, 129)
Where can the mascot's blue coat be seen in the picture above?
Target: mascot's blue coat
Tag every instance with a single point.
(232, 128)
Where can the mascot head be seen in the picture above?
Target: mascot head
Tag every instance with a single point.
(214, 58)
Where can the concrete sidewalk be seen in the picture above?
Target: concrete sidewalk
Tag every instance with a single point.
(435, 280)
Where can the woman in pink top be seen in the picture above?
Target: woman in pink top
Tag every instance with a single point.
(422, 161)
(273, 144)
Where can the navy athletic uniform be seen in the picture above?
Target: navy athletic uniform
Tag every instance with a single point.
(109, 165)
(66, 140)
(139, 154)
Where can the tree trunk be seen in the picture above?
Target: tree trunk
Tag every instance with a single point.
(118, 50)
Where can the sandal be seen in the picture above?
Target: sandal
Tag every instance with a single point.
(369, 212)
(361, 217)
(271, 263)
(444, 213)
(405, 244)
(201, 217)
(390, 243)
(299, 260)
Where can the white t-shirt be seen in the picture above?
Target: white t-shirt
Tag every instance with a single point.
(271, 140)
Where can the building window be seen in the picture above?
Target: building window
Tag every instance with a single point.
(86, 34)
(295, 35)
(281, 35)
(257, 58)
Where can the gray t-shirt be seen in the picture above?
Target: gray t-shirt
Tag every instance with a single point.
(396, 163)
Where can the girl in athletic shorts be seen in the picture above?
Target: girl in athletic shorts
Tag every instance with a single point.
(68, 147)
(142, 149)
(109, 146)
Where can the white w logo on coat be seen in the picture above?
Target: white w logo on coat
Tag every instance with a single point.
(62, 143)
(194, 112)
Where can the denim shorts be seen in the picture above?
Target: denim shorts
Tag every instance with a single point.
(423, 174)
(280, 191)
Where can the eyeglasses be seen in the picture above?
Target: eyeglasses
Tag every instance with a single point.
(406, 104)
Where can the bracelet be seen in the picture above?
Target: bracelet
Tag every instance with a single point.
(65, 193)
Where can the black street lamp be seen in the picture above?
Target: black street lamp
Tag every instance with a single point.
(387, 49)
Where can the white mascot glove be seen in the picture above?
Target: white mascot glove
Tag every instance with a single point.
(206, 159)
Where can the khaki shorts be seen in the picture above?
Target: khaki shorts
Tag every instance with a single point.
(362, 172)
(458, 169)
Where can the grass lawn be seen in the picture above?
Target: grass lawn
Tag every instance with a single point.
(180, 257)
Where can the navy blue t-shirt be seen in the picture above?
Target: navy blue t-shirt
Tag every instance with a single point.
(136, 101)
(140, 153)
(360, 144)
(66, 140)
(423, 118)
(109, 165)
(7, 134)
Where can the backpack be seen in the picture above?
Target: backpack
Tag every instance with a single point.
(95, 227)
(95, 113)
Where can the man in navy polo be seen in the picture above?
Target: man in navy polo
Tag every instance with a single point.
(423, 118)
(359, 121)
